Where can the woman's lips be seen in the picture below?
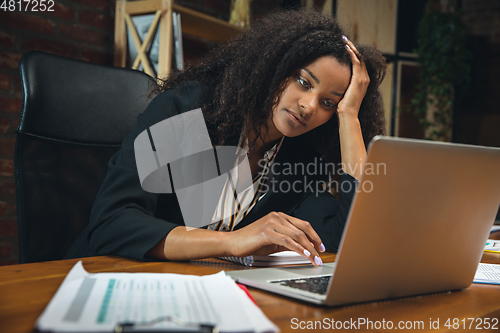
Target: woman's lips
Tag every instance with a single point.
(295, 118)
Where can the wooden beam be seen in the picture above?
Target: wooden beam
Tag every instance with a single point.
(142, 7)
(165, 54)
(148, 39)
(120, 46)
(137, 42)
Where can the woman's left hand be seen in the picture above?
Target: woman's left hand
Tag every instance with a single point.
(352, 147)
(351, 102)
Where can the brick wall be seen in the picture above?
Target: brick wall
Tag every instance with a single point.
(78, 29)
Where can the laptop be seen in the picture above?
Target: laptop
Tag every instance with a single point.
(418, 226)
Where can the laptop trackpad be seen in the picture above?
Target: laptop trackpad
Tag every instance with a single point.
(308, 270)
(280, 273)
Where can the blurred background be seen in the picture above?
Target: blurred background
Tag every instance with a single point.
(443, 80)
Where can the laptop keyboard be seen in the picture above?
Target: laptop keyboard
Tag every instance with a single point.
(317, 285)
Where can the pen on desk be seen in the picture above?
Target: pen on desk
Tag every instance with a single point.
(492, 251)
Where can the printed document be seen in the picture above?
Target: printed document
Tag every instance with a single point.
(487, 273)
(98, 302)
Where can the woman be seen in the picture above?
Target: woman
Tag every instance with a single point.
(294, 75)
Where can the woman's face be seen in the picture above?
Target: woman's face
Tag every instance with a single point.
(310, 97)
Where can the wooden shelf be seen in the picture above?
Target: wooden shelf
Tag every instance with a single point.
(204, 26)
(192, 23)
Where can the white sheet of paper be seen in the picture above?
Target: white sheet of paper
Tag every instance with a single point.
(492, 245)
(487, 273)
(495, 228)
(97, 302)
(292, 254)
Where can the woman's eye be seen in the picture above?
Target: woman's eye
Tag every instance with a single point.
(329, 104)
(303, 82)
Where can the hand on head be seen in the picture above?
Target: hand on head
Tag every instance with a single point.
(351, 102)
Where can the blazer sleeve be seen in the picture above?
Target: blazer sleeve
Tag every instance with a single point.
(327, 214)
(122, 220)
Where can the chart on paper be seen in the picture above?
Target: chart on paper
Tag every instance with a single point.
(98, 302)
(128, 300)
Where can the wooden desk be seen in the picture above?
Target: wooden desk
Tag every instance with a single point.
(26, 289)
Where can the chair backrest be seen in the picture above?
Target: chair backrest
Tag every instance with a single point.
(74, 117)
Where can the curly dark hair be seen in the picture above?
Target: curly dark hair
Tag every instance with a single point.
(246, 77)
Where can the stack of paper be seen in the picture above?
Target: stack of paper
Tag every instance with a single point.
(492, 245)
(487, 273)
(152, 301)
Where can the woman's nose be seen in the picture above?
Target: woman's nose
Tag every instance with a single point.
(308, 105)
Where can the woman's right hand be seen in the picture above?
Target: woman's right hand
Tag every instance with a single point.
(276, 232)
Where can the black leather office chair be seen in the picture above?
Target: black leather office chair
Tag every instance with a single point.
(74, 118)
